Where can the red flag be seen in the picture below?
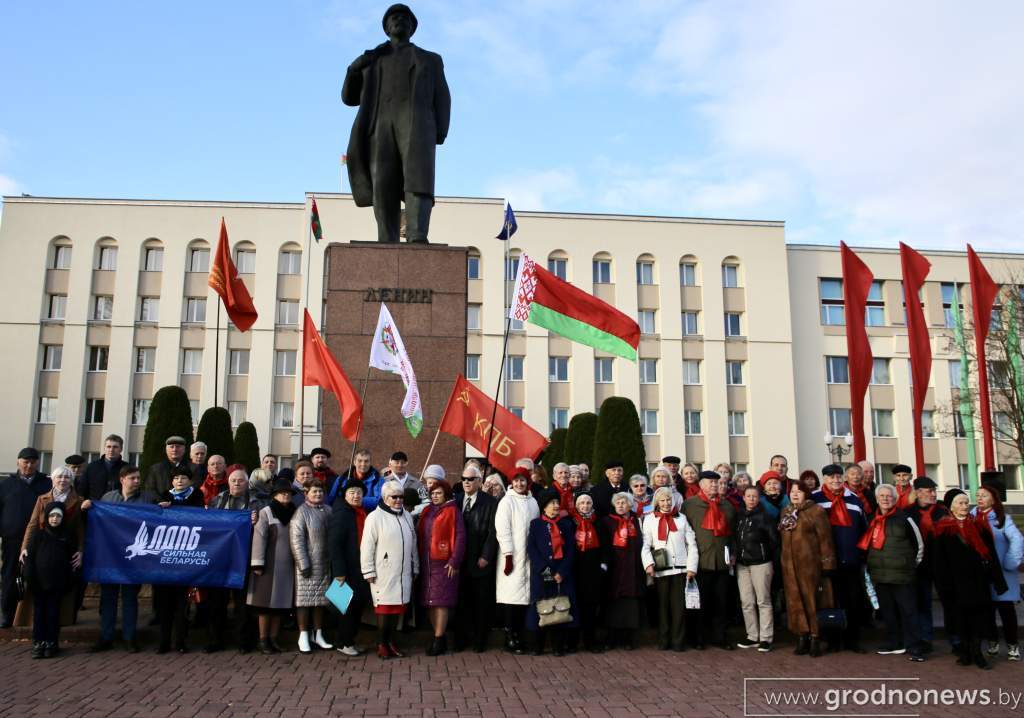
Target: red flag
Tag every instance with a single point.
(225, 281)
(857, 280)
(983, 296)
(915, 269)
(468, 417)
(320, 368)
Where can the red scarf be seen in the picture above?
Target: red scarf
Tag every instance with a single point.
(586, 534)
(556, 536)
(859, 493)
(442, 533)
(838, 515)
(640, 505)
(875, 535)
(690, 489)
(565, 500)
(360, 513)
(967, 530)
(666, 523)
(906, 498)
(714, 518)
(624, 530)
(211, 487)
(927, 524)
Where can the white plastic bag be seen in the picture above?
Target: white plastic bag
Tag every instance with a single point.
(692, 594)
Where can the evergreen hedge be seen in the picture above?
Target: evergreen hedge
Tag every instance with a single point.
(619, 436)
(215, 431)
(555, 451)
(579, 443)
(247, 446)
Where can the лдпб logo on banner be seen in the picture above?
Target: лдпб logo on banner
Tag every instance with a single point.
(176, 545)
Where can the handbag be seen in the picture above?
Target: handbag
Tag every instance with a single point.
(831, 619)
(553, 611)
(661, 562)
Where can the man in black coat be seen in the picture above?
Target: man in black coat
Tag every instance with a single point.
(18, 494)
(343, 538)
(604, 490)
(158, 480)
(103, 474)
(476, 589)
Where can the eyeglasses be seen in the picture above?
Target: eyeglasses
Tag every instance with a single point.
(393, 497)
(469, 478)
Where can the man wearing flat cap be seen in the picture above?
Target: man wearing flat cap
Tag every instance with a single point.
(901, 476)
(926, 512)
(604, 490)
(18, 494)
(158, 480)
(404, 107)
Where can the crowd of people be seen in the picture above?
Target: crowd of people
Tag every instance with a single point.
(568, 561)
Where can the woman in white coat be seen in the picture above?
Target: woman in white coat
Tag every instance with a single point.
(670, 555)
(390, 564)
(512, 524)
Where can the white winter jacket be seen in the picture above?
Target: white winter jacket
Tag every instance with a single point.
(681, 546)
(388, 555)
(512, 523)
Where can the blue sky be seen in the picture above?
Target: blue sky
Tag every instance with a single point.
(865, 121)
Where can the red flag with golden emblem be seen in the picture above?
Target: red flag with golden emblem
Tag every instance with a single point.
(225, 281)
(320, 368)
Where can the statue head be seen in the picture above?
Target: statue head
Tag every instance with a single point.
(399, 22)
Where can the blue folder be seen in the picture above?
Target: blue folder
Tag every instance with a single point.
(340, 594)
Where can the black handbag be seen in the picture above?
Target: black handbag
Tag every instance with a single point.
(661, 562)
(831, 619)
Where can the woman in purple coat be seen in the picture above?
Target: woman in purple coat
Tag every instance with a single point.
(442, 545)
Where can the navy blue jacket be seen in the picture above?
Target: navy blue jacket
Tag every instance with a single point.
(17, 499)
(538, 549)
(98, 479)
(846, 537)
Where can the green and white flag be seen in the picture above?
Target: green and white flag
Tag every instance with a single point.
(387, 353)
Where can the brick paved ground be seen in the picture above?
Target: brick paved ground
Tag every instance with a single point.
(645, 682)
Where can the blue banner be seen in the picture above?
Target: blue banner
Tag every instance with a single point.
(143, 543)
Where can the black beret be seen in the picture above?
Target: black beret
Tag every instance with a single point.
(546, 497)
(74, 460)
(948, 497)
(613, 464)
(710, 475)
(923, 482)
(319, 450)
(399, 456)
(901, 469)
(355, 484)
(181, 471)
(831, 470)
(29, 454)
(671, 460)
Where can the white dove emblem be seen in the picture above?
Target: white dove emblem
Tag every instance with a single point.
(138, 547)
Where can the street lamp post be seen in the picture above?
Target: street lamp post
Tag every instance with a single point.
(838, 447)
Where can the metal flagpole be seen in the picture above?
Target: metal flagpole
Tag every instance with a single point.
(504, 348)
(216, 357)
(305, 307)
(359, 424)
(431, 451)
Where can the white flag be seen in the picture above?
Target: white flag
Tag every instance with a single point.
(387, 353)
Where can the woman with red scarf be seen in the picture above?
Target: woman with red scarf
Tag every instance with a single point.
(626, 587)
(441, 537)
(590, 570)
(670, 556)
(551, 547)
(344, 532)
(966, 572)
(1009, 551)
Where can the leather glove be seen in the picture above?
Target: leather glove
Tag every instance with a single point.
(508, 565)
(307, 572)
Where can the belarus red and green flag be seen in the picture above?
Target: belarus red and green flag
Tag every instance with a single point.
(314, 223)
(543, 299)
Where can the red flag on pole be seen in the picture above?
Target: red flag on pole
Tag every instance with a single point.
(225, 281)
(468, 417)
(320, 368)
(983, 296)
(915, 269)
(857, 280)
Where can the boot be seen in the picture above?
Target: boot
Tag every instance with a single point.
(435, 647)
(444, 645)
(383, 652)
(393, 649)
(803, 645)
(37, 649)
(321, 642)
(815, 647)
(50, 649)
(304, 646)
(264, 647)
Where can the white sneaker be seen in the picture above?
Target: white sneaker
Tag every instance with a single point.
(304, 646)
(1013, 652)
(321, 642)
(993, 648)
(349, 650)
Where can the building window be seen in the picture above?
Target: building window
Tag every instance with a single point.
(514, 368)
(734, 373)
(199, 260)
(98, 357)
(732, 324)
(603, 369)
(928, 424)
(516, 325)
(874, 312)
(284, 362)
(511, 269)
(839, 422)
(57, 306)
(950, 296)
(154, 260)
(94, 411)
(193, 406)
(107, 259)
(880, 371)
(473, 366)
(881, 423)
(149, 309)
(195, 310)
(238, 362)
(472, 267)
(191, 361)
(284, 414)
(289, 263)
(831, 301)
(245, 261)
(102, 308)
(559, 417)
(954, 373)
(53, 357)
(999, 375)
(730, 275)
(61, 257)
(649, 421)
(237, 411)
(602, 271)
(737, 423)
(996, 323)
(958, 426)
(140, 412)
(1011, 476)
(688, 274)
(691, 421)
(1003, 426)
(473, 317)
(691, 372)
(645, 272)
(145, 360)
(517, 411)
(287, 312)
(645, 318)
(558, 267)
(648, 371)
(690, 324)
(837, 370)
(558, 369)
(47, 413)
